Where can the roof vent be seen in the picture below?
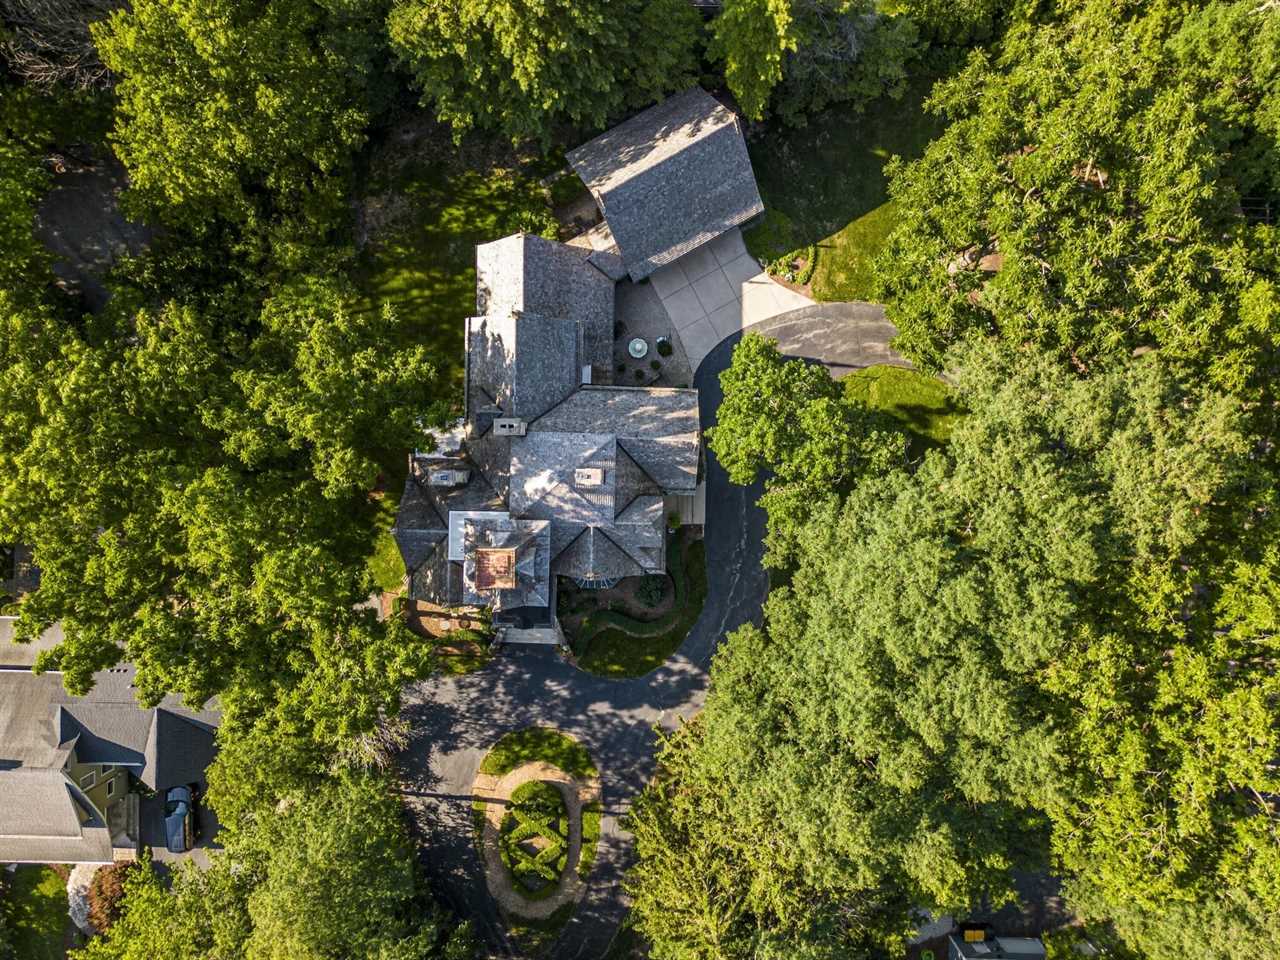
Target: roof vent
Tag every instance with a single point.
(448, 478)
(588, 477)
(509, 427)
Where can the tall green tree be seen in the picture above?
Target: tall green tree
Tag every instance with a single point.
(1048, 645)
(798, 56)
(1092, 193)
(789, 421)
(225, 105)
(522, 66)
(328, 876)
(193, 477)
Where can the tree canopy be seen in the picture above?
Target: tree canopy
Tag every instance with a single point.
(328, 877)
(223, 105)
(1032, 650)
(797, 57)
(1093, 190)
(521, 67)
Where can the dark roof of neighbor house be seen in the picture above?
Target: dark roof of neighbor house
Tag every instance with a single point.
(40, 724)
(15, 655)
(45, 818)
(670, 179)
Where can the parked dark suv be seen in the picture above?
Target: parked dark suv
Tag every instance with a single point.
(180, 828)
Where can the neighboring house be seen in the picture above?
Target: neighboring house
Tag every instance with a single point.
(82, 778)
(670, 179)
(981, 944)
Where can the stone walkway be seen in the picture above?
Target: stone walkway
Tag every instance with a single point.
(496, 792)
(717, 290)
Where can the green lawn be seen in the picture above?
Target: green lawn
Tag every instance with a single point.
(423, 265)
(539, 743)
(923, 404)
(36, 907)
(615, 645)
(824, 184)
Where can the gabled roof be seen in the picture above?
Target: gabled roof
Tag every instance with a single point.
(656, 426)
(670, 179)
(524, 362)
(40, 723)
(45, 818)
(593, 555)
(543, 477)
(525, 273)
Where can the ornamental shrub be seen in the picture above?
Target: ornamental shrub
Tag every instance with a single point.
(106, 890)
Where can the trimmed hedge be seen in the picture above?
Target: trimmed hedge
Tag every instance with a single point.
(613, 644)
(537, 810)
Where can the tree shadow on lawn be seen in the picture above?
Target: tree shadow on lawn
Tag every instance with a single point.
(825, 176)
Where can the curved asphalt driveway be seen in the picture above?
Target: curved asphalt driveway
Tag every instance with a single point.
(455, 720)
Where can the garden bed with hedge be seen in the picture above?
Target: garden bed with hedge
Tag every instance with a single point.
(534, 839)
(614, 644)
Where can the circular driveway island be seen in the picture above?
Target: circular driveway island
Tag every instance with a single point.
(455, 720)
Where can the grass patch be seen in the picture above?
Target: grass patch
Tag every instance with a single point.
(615, 645)
(590, 840)
(824, 184)
(922, 404)
(36, 909)
(539, 743)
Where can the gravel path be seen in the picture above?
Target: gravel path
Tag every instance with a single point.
(455, 720)
(577, 794)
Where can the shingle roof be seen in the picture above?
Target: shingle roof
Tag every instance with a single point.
(594, 556)
(24, 654)
(40, 721)
(526, 363)
(530, 543)
(543, 468)
(45, 818)
(670, 179)
(524, 273)
(656, 426)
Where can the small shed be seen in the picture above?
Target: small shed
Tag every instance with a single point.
(670, 179)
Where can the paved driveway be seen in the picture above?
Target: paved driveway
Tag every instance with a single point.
(718, 290)
(455, 720)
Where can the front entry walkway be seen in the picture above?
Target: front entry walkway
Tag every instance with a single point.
(717, 290)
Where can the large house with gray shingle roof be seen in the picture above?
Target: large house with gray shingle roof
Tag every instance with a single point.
(553, 471)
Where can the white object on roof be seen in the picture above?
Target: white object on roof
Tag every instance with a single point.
(588, 477)
(457, 522)
(509, 427)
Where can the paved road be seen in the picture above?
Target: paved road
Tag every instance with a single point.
(455, 720)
